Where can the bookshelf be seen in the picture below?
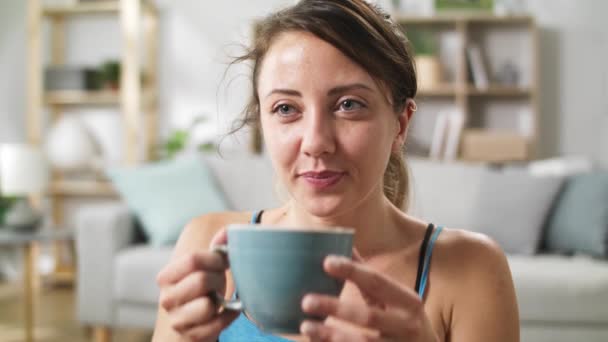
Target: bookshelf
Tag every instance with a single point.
(493, 112)
(136, 99)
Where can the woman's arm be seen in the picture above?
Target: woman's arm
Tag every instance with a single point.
(485, 304)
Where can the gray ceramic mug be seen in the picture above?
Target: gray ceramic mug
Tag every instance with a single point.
(273, 268)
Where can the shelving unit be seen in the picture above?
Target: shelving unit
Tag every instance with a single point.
(136, 99)
(488, 32)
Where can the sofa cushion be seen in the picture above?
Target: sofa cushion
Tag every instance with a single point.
(166, 195)
(580, 219)
(513, 206)
(135, 273)
(554, 288)
(510, 205)
(444, 193)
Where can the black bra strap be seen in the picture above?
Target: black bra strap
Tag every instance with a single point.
(425, 242)
(258, 218)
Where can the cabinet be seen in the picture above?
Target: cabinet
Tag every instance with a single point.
(136, 99)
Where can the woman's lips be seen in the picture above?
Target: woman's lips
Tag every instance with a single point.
(323, 179)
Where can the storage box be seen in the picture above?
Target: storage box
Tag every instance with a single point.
(498, 147)
(71, 78)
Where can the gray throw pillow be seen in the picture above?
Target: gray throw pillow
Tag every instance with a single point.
(579, 223)
(513, 207)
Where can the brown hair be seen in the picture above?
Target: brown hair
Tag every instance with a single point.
(364, 33)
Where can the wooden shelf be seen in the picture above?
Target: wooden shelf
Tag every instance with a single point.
(499, 91)
(482, 107)
(440, 91)
(77, 97)
(81, 188)
(80, 8)
(452, 19)
(92, 98)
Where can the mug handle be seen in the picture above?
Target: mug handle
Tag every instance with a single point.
(223, 303)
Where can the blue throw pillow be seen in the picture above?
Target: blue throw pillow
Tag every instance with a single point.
(579, 223)
(166, 195)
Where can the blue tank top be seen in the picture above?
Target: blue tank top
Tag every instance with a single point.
(242, 329)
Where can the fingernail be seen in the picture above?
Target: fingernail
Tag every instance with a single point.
(335, 261)
(308, 328)
(309, 303)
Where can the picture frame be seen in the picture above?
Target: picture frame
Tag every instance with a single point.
(475, 6)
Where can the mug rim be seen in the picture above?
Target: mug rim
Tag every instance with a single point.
(270, 228)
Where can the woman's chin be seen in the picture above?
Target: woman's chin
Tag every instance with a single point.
(326, 207)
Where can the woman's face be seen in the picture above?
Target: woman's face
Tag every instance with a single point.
(328, 126)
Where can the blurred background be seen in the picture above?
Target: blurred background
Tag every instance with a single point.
(114, 122)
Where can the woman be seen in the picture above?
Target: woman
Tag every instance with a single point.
(333, 88)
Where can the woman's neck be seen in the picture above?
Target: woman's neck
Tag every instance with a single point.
(374, 221)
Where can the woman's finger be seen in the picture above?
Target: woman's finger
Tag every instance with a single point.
(389, 322)
(372, 284)
(197, 284)
(220, 238)
(198, 311)
(357, 256)
(320, 332)
(210, 331)
(182, 266)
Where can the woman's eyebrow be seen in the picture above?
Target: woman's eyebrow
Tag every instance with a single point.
(348, 87)
(332, 91)
(285, 91)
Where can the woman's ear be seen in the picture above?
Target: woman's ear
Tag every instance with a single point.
(403, 121)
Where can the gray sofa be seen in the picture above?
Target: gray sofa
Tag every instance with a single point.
(561, 298)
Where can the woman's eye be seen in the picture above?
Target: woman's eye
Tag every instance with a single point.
(350, 105)
(284, 110)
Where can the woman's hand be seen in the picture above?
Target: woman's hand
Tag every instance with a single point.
(186, 284)
(392, 312)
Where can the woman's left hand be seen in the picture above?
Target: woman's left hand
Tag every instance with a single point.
(391, 312)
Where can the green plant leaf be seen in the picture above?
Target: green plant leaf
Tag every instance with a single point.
(175, 143)
(423, 41)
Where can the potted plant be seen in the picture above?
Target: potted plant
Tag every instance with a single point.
(428, 66)
(110, 72)
(179, 141)
(5, 205)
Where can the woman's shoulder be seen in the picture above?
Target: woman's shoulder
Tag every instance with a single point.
(468, 261)
(472, 272)
(466, 250)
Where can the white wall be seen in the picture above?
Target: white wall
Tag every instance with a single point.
(574, 57)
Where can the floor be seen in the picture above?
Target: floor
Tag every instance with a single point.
(55, 317)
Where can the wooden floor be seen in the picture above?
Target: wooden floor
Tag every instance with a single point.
(55, 317)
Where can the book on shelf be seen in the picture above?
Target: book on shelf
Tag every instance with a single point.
(477, 67)
(454, 133)
(439, 135)
(446, 135)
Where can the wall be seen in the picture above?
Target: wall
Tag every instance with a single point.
(574, 53)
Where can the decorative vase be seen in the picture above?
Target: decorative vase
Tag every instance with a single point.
(69, 146)
(429, 72)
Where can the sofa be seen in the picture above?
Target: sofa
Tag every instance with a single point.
(562, 296)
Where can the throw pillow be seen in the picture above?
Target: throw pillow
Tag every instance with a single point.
(579, 223)
(166, 195)
(513, 206)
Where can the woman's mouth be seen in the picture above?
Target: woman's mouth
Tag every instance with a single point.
(322, 179)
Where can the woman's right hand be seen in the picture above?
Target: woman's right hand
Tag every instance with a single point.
(186, 285)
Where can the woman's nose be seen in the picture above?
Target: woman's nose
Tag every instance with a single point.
(318, 135)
